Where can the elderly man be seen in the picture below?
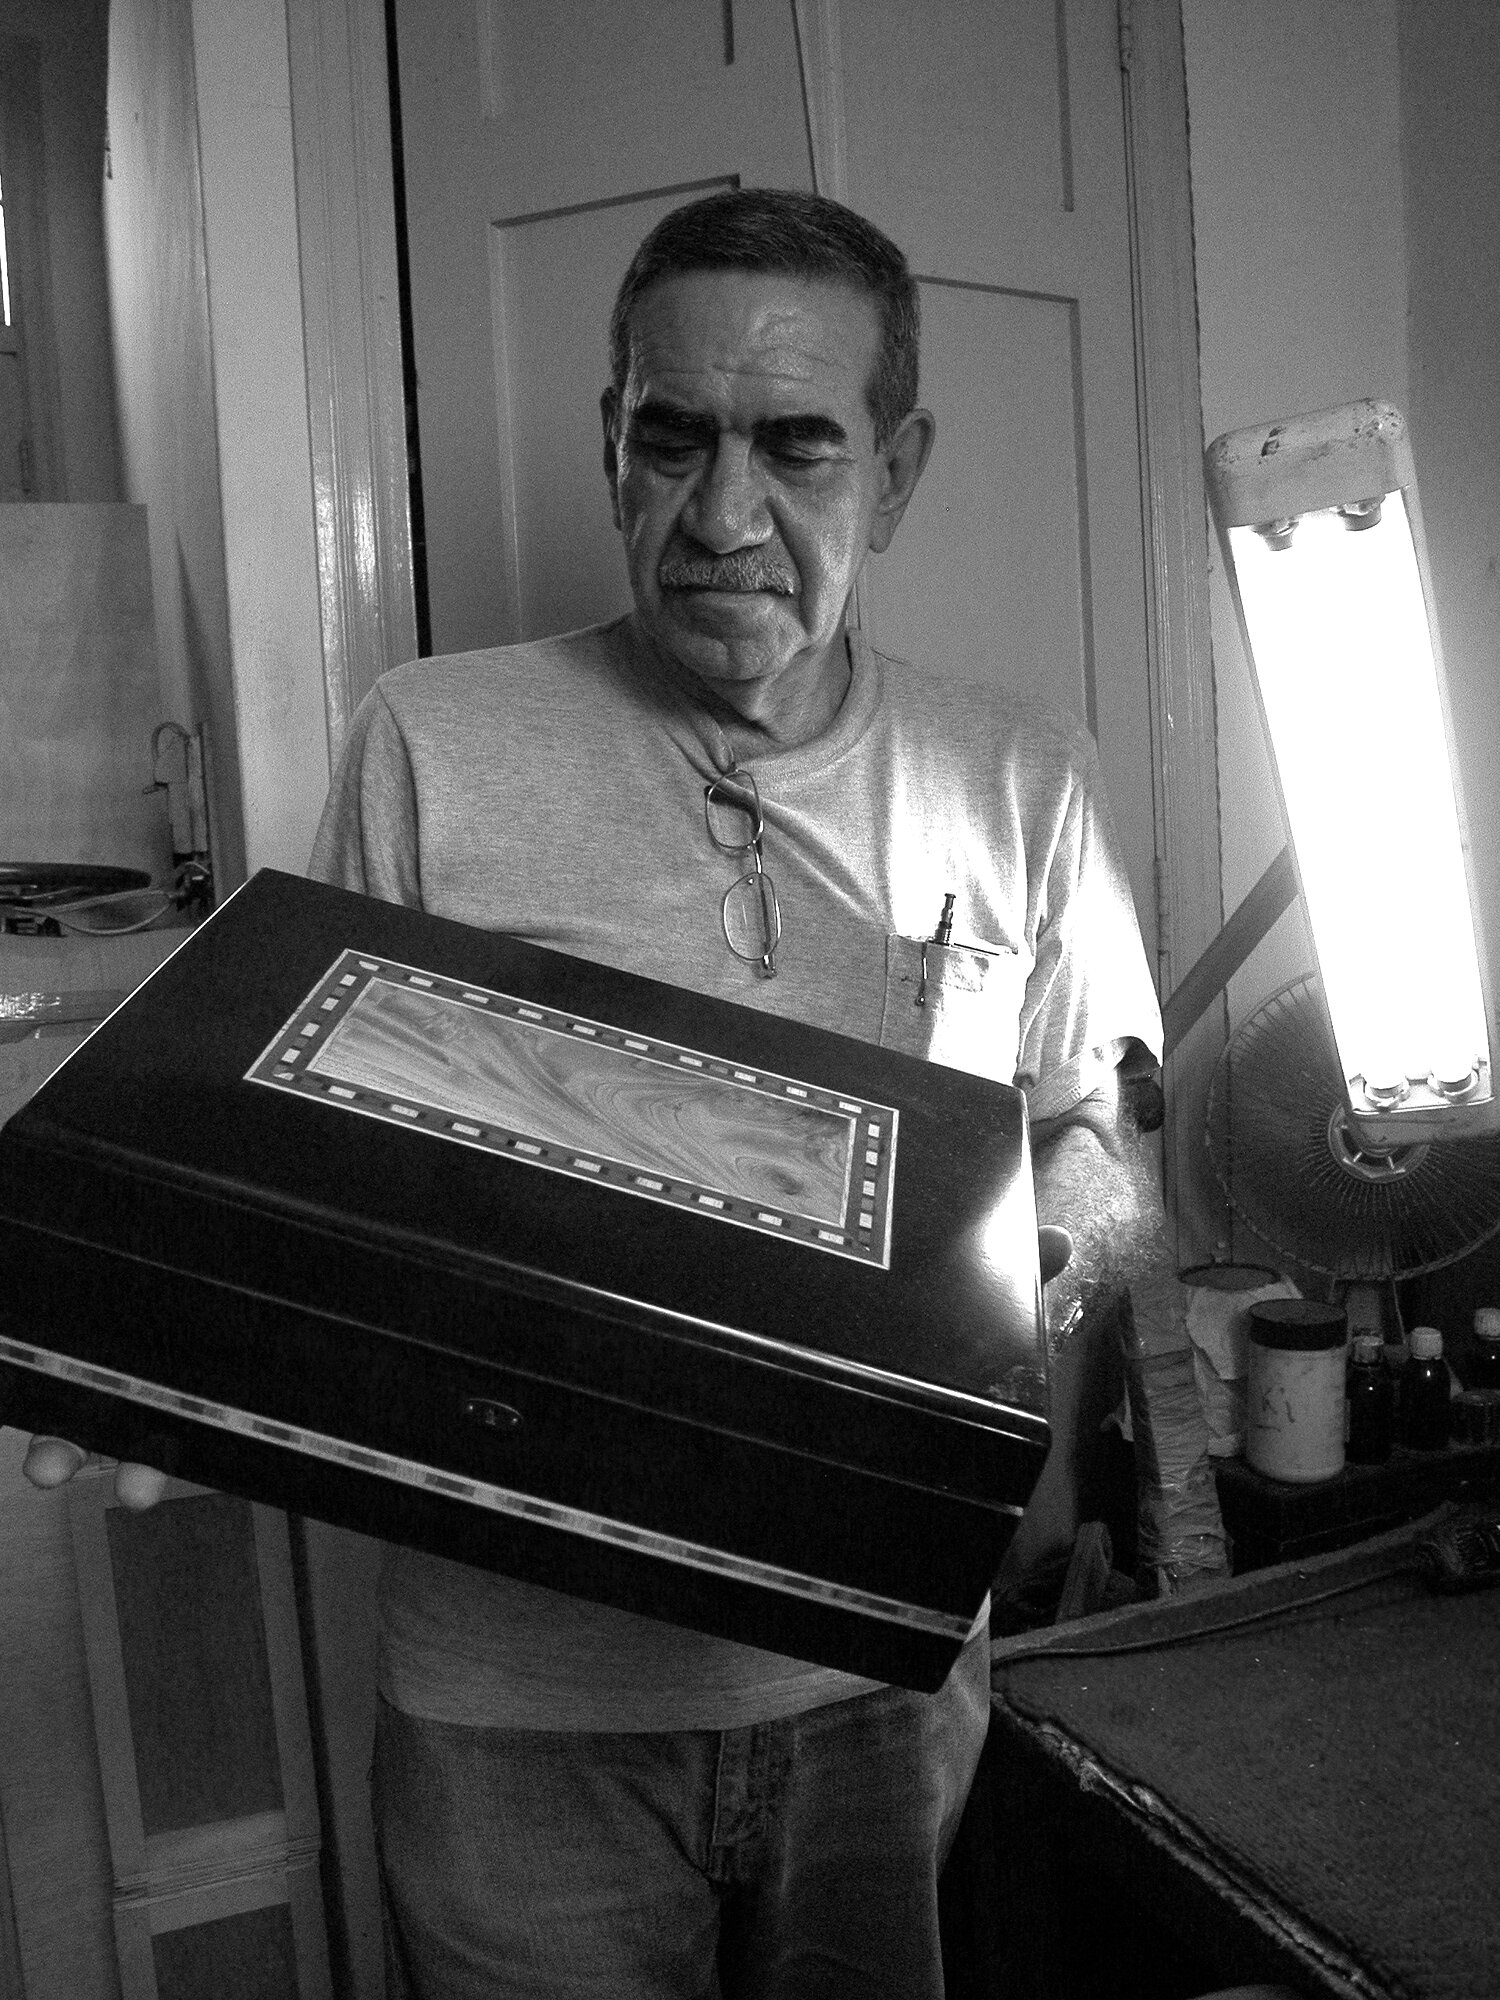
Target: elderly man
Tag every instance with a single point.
(571, 1800)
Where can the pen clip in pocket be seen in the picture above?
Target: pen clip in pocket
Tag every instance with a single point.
(957, 1004)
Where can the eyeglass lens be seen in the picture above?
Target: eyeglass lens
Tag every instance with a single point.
(751, 912)
(732, 807)
(752, 918)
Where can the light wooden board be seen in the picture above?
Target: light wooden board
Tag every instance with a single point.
(79, 694)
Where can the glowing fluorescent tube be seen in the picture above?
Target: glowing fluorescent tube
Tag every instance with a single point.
(1320, 521)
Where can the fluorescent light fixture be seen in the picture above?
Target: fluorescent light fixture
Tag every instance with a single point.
(1319, 520)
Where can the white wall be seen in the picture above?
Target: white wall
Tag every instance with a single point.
(1301, 265)
(1450, 86)
(1450, 77)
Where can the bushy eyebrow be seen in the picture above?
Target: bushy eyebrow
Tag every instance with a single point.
(809, 429)
(692, 426)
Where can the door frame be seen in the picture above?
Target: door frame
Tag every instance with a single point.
(356, 405)
(356, 401)
(23, 173)
(1174, 514)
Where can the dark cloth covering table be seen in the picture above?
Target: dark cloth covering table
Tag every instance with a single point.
(1313, 1797)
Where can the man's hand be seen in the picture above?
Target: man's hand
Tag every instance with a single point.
(53, 1461)
(1116, 1317)
(1054, 1250)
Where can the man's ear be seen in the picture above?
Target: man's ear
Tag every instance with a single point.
(902, 461)
(607, 407)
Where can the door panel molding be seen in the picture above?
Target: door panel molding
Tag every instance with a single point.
(1033, 557)
(344, 179)
(537, 262)
(12, 1986)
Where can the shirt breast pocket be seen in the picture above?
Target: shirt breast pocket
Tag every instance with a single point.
(954, 1004)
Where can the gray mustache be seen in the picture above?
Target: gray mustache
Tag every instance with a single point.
(742, 570)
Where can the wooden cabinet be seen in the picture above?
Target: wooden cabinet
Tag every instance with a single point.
(160, 1818)
(205, 1759)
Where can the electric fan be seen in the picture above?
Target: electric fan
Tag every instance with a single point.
(1295, 1170)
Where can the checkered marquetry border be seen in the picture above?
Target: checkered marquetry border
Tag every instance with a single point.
(303, 1060)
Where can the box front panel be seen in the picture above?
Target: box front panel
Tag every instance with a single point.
(807, 1363)
(612, 1501)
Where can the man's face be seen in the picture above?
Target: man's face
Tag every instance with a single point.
(744, 473)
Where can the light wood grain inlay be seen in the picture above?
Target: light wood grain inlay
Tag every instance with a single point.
(593, 1097)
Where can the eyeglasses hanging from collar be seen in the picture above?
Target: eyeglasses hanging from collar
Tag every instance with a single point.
(750, 912)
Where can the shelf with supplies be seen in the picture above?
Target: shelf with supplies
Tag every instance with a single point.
(1273, 1520)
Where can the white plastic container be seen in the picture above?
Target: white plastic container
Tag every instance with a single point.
(1294, 1408)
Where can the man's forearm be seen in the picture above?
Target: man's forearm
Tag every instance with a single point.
(1094, 1177)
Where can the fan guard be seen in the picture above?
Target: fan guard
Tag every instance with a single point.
(1293, 1169)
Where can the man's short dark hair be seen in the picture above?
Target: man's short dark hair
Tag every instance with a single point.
(802, 236)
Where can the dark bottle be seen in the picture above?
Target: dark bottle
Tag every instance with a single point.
(1484, 1363)
(1424, 1392)
(1371, 1413)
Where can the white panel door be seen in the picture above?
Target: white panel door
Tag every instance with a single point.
(988, 140)
(543, 137)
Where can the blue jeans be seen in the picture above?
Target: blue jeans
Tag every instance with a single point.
(794, 1860)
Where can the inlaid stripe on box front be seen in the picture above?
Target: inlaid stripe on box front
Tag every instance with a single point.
(482, 1493)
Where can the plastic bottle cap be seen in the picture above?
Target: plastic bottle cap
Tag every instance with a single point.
(1426, 1343)
(1303, 1325)
(1487, 1322)
(1367, 1349)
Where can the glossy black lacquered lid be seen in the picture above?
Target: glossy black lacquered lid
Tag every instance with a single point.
(374, 1084)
